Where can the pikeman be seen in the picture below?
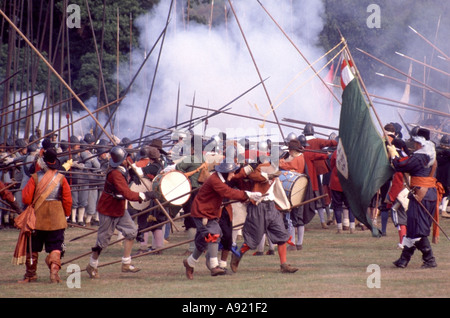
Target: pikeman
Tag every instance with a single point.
(263, 218)
(423, 198)
(49, 193)
(206, 212)
(321, 168)
(443, 171)
(112, 212)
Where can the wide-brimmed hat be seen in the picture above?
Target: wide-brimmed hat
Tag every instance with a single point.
(157, 143)
(51, 159)
(226, 167)
(295, 144)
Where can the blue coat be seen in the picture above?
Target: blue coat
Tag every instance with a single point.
(419, 221)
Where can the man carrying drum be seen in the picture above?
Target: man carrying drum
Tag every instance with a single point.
(263, 217)
(302, 162)
(112, 212)
(206, 211)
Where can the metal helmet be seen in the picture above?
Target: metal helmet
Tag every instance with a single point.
(89, 138)
(245, 142)
(303, 141)
(308, 130)
(32, 147)
(445, 141)
(263, 146)
(118, 155)
(21, 143)
(332, 136)
(291, 136)
(226, 167)
(74, 140)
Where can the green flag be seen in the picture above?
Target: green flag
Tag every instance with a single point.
(362, 161)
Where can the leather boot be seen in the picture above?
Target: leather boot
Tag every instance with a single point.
(405, 257)
(427, 253)
(31, 266)
(53, 261)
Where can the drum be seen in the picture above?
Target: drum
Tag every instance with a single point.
(146, 185)
(170, 186)
(294, 184)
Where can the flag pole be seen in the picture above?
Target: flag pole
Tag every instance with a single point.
(365, 90)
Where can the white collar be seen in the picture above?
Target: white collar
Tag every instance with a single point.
(220, 176)
(310, 137)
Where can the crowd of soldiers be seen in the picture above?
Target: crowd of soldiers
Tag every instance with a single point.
(85, 162)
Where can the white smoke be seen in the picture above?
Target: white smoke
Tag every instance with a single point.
(214, 66)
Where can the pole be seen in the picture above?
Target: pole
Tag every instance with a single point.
(257, 70)
(56, 74)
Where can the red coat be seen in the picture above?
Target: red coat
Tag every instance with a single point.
(208, 201)
(108, 204)
(310, 159)
(318, 144)
(335, 184)
(297, 164)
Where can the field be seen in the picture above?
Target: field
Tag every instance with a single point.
(330, 266)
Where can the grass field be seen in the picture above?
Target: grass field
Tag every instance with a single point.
(330, 266)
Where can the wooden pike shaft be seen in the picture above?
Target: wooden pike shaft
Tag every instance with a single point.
(298, 50)
(430, 43)
(56, 74)
(257, 70)
(404, 74)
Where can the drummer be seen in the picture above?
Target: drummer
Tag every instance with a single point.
(302, 161)
(263, 218)
(148, 166)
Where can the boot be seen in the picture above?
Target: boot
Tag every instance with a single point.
(189, 269)
(234, 262)
(31, 266)
(53, 261)
(405, 257)
(427, 253)
(286, 268)
(80, 216)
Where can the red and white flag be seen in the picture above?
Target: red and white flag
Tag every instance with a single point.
(347, 72)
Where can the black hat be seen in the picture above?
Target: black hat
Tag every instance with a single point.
(423, 132)
(157, 143)
(51, 160)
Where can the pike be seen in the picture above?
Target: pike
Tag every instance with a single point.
(429, 42)
(257, 70)
(55, 73)
(406, 75)
(305, 122)
(147, 210)
(120, 240)
(423, 64)
(303, 56)
(250, 117)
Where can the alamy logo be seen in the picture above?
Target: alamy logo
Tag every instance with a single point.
(73, 16)
(374, 19)
(374, 279)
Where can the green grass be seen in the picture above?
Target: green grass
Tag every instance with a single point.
(330, 266)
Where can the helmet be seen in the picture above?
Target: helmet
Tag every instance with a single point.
(445, 141)
(125, 142)
(89, 138)
(332, 136)
(118, 155)
(263, 146)
(245, 142)
(74, 140)
(226, 167)
(303, 141)
(291, 136)
(21, 143)
(308, 130)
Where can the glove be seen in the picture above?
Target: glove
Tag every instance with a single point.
(255, 196)
(142, 197)
(134, 177)
(68, 164)
(392, 151)
(149, 195)
(138, 170)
